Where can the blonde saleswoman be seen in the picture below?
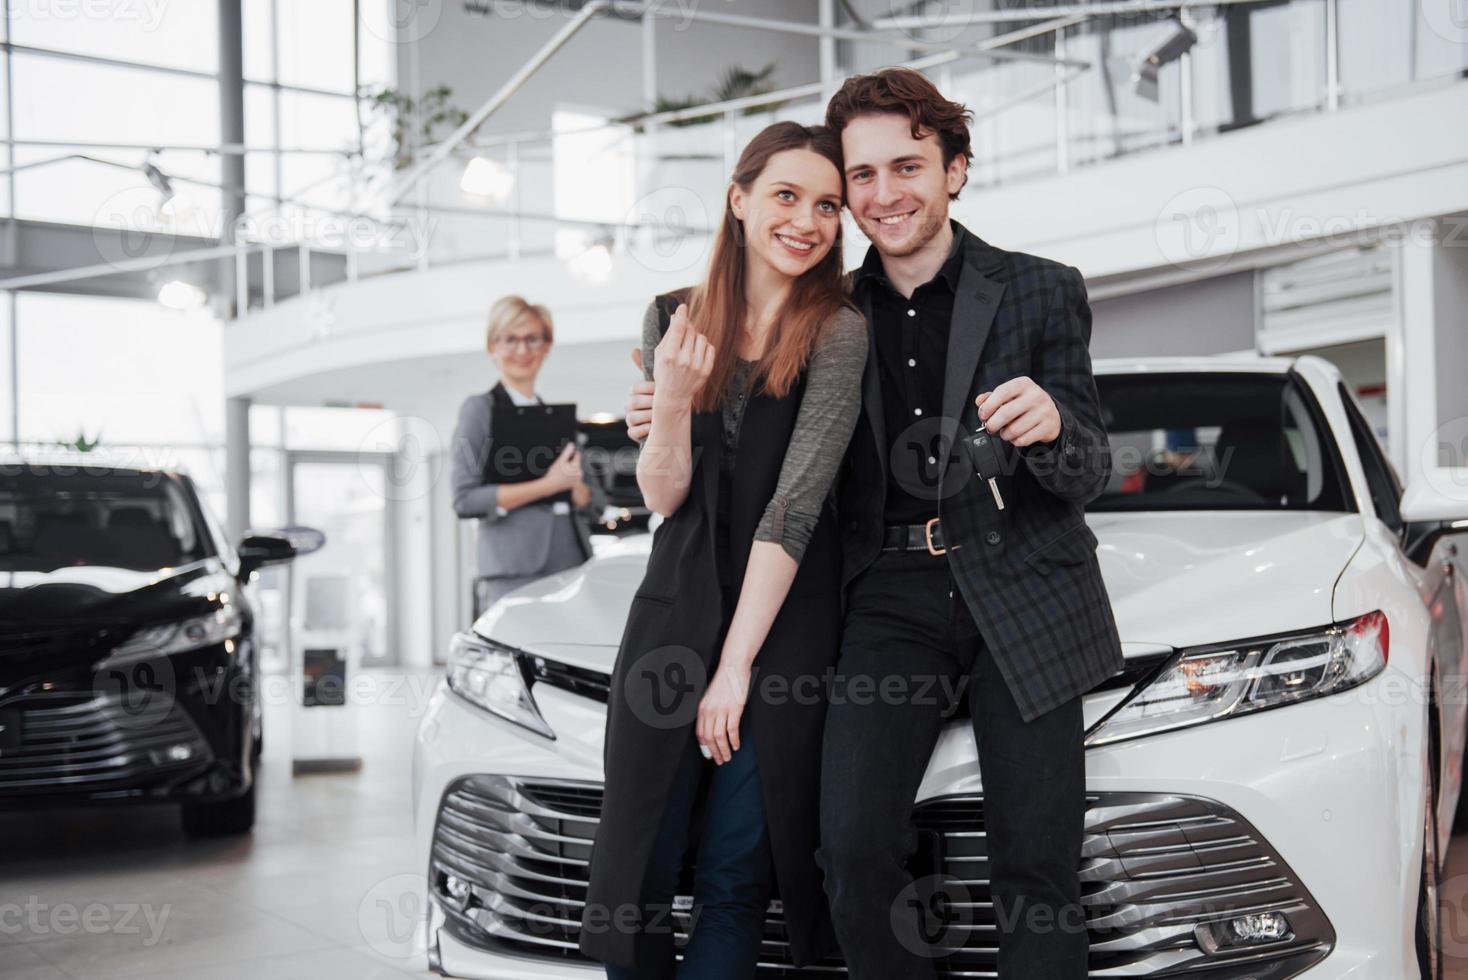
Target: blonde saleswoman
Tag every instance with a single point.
(523, 534)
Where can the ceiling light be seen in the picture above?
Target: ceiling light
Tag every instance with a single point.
(487, 178)
(179, 295)
(595, 263)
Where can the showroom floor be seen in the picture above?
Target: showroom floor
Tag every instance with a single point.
(326, 887)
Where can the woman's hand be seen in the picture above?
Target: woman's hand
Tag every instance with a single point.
(564, 473)
(721, 708)
(682, 362)
(580, 495)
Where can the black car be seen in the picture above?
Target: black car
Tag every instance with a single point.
(128, 655)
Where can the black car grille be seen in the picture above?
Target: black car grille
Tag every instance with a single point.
(86, 741)
(595, 684)
(1154, 867)
(592, 684)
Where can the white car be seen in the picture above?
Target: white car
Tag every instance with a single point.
(1270, 782)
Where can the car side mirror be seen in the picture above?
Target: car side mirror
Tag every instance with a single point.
(260, 548)
(1434, 503)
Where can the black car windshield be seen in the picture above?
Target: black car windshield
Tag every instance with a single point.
(53, 519)
(1222, 441)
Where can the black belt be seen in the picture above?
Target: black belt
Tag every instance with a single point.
(915, 537)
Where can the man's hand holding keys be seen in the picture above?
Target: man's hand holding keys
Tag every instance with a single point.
(1020, 412)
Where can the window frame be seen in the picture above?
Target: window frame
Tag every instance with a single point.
(1374, 463)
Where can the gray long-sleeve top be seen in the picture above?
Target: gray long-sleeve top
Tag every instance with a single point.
(823, 426)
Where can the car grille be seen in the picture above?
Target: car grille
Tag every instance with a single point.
(86, 741)
(593, 684)
(596, 684)
(1154, 867)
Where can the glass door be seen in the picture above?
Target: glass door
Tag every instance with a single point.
(342, 596)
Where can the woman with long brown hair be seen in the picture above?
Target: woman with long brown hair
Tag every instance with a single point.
(717, 700)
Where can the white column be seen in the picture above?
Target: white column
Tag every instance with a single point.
(1411, 355)
(418, 465)
(237, 467)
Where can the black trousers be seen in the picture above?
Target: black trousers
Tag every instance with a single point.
(910, 635)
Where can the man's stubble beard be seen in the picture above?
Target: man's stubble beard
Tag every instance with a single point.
(919, 242)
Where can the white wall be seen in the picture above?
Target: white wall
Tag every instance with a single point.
(1211, 316)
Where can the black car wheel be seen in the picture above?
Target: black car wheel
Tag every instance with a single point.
(225, 817)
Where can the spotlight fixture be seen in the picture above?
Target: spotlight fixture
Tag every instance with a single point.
(159, 180)
(1169, 48)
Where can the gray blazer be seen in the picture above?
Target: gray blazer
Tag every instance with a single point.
(519, 542)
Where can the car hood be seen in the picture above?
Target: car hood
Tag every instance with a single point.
(77, 594)
(55, 626)
(1175, 579)
(1183, 579)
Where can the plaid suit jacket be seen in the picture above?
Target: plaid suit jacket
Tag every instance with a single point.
(1028, 573)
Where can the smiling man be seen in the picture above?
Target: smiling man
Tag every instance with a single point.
(990, 587)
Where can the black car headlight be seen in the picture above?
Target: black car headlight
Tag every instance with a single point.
(494, 677)
(1203, 684)
(160, 639)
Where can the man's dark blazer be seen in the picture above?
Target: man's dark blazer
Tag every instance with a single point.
(1029, 572)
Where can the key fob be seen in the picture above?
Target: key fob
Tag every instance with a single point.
(985, 454)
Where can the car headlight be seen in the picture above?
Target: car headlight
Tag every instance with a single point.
(494, 677)
(220, 626)
(1204, 684)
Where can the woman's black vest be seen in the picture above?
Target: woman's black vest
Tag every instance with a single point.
(669, 649)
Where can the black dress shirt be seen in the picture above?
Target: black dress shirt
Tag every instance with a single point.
(912, 354)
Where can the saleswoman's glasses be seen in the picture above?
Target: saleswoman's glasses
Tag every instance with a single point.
(531, 344)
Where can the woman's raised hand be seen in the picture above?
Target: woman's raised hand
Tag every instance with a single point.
(682, 362)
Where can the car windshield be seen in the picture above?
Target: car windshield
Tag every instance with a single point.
(51, 520)
(1225, 441)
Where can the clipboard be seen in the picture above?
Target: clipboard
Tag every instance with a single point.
(525, 441)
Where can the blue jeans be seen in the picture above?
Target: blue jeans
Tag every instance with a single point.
(733, 874)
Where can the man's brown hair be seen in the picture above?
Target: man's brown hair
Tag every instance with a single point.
(906, 92)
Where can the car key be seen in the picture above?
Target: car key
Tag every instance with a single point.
(986, 461)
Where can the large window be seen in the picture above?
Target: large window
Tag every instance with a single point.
(119, 370)
(175, 35)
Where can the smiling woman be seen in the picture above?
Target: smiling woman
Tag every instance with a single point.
(754, 370)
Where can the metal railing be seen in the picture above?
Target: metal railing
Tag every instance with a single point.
(1037, 113)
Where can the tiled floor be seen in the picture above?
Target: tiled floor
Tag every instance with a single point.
(327, 886)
